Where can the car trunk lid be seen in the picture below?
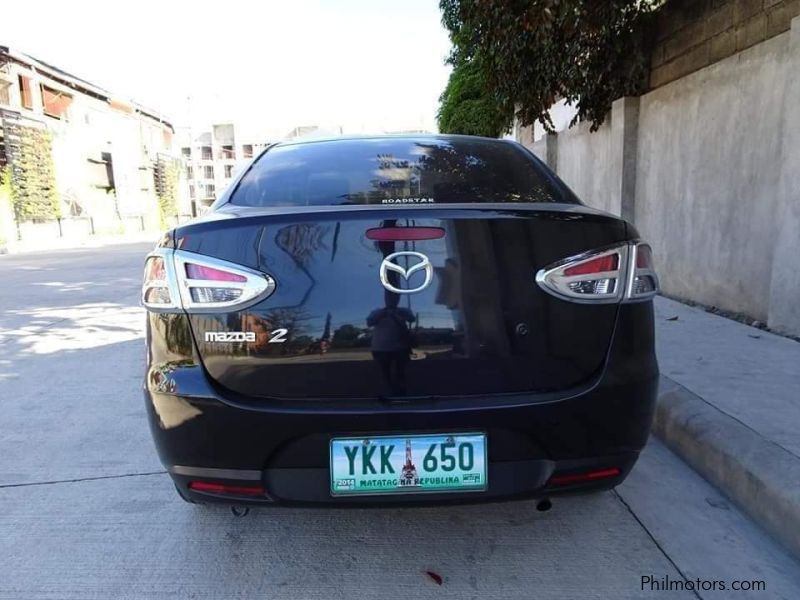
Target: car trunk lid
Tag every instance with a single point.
(334, 327)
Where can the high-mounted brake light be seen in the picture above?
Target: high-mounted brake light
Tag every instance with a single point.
(402, 234)
(180, 279)
(621, 273)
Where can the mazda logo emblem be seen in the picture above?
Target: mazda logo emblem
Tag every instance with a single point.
(390, 264)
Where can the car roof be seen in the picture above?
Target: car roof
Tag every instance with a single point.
(391, 136)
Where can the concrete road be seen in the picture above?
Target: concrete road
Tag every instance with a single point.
(86, 510)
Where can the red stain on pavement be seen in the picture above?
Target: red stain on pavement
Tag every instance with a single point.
(435, 577)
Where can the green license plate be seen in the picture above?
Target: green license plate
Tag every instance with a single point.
(408, 464)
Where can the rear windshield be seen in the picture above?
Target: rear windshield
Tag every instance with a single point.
(395, 171)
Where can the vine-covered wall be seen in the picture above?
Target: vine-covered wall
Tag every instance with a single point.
(33, 185)
(166, 173)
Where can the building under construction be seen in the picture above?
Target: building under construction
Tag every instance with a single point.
(73, 149)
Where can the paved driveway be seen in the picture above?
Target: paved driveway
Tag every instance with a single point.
(86, 510)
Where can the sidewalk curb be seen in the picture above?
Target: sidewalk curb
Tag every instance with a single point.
(21, 248)
(760, 476)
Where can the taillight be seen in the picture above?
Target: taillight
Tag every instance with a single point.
(643, 282)
(194, 271)
(620, 273)
(590, 277)
(156, 290)
(193, 282)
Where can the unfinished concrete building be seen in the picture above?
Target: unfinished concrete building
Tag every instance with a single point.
(212, 158)
(103, 149)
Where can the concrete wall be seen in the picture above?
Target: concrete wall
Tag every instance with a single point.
(708, 176)
(708, 169)
(581, 154)
(784, 301)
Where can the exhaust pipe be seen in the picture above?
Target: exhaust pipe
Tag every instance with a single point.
(240, 511)
(544, 505)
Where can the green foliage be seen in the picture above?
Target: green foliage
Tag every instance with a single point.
(33, 181)
(167, 173)
(5, 183)
(535, 52)
(466, 106)
(5, 203)
(346, 336)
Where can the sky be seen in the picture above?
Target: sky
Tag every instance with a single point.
(364, 66)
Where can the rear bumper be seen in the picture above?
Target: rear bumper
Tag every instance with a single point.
(203, 434)
(309, 487)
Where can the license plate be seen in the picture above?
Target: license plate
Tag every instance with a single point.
(408, 464)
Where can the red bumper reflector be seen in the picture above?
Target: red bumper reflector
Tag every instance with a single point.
(403, 234)
(584, 477)
(222, 488)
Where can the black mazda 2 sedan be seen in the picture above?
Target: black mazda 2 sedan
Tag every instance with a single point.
(398, 320)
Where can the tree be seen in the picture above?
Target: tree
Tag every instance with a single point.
(346, 336)
(466, 106)
(534, 52)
